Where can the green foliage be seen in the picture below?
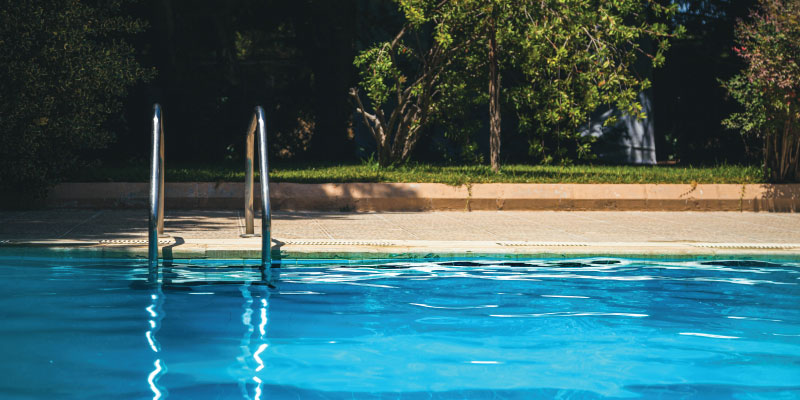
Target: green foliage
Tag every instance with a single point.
(401, 79)
(565, 58)
(769, 87)
(411, 172)
(380, 74)
(456, 111)
(65, 70)
(577, 56)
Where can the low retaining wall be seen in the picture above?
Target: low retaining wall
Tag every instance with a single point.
(440, 197)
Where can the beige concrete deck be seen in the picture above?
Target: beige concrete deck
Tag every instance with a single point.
(215, 234)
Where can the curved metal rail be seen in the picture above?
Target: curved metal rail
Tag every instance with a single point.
(156, 221)
(258, 121)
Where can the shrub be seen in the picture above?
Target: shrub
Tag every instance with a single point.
(65, 69)
(769, 86)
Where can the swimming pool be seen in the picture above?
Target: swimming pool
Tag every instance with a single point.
(584, 328)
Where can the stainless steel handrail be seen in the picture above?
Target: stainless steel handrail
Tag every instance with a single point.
(156, 222)
(258, 121)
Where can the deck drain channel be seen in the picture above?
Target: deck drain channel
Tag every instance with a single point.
(747, 246)
(337, 243)
(543, 244)
(133, 241)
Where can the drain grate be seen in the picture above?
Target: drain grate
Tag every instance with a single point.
(133, 241)
(337, 243)
(748, 246)
(543, 244)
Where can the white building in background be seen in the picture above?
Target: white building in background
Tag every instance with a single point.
(630, 140)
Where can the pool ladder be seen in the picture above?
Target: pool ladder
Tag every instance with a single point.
(156, 220)
(258, 124)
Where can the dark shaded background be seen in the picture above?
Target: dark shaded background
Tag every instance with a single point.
(216, 60)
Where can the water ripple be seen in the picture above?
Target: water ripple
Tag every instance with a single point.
(454, 308)
(590, 269)
(708, 335)
(570, 314)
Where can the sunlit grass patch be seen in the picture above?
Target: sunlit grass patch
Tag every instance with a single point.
(448, 174)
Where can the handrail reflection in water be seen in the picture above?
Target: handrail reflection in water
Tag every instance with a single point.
(247, 315)
(246, 343)
(155, 313)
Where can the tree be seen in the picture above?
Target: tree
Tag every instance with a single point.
(401, 78)
(65, 70)
(769, 86)
(485, 22)
(573, 56)
(396, 131)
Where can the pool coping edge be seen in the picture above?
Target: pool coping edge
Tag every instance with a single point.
(249, 249)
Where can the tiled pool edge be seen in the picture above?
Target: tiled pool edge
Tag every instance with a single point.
(400, 251)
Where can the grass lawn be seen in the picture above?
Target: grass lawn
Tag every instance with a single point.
(453, 175)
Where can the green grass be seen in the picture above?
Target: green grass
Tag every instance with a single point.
(453, 175)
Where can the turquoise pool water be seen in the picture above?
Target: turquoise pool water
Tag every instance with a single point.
(597, 328)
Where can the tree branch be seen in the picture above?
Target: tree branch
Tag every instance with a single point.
(375, 126)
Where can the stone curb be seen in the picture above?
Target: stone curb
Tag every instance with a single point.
(441, 197)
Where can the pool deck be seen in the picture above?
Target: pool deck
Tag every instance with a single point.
(122, 233)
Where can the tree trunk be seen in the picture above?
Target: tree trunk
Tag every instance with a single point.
(791, 155)
(782, 152)
(494, 101)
